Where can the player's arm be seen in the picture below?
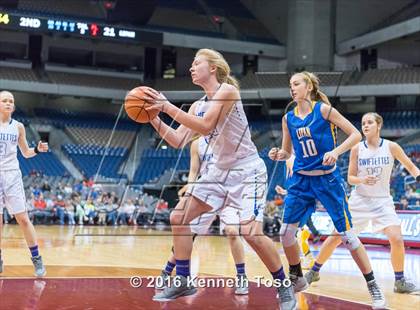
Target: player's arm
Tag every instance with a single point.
(289, 165)
(286, 144)
(399, 154)
(194, 167)
(177, 138)
(223, 100)
(27, 151)
(354, 136)
(352, 177)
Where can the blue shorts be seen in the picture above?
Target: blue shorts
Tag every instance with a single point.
(328, 189)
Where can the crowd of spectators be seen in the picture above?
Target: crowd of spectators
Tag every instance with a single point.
(84, 203)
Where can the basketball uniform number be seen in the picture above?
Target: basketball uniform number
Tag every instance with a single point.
(308, 148)
(376, 171)
(3, 148)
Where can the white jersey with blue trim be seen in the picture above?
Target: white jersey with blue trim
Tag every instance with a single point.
(205, 153)
(231, 139)
(9, 137)
(378, 162)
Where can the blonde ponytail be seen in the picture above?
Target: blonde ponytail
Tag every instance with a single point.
(316, 94)
(320, 96)
(232, 81)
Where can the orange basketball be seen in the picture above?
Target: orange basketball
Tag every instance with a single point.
(135, 105)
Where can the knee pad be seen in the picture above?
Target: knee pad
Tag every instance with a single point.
(350, 240)
(288, 234)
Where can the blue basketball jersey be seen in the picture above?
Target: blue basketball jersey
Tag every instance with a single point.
(311, 137)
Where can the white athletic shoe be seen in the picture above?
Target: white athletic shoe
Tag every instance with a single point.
(378, 298)
(402, 286)
(241, 285)
(286, 298)
(299, 283)
(39, 266)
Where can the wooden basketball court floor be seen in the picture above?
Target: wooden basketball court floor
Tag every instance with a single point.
(89, 268)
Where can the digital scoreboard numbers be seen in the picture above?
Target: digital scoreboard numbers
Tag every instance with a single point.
(4, 19)
(72, 27)
(89, 29)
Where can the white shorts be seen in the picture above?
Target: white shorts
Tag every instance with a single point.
(228, 216)
(377, 211)
(243, 188)
(12, 193)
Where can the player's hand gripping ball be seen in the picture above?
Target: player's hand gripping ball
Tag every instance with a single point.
(136, 102)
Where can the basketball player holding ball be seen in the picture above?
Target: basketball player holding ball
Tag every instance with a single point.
(238, 178)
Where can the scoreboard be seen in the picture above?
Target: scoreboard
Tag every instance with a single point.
(74, 27)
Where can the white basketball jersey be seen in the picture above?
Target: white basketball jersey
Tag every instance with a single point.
(9, 136)
(231, 139)
(205, 153)
(378, 162)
